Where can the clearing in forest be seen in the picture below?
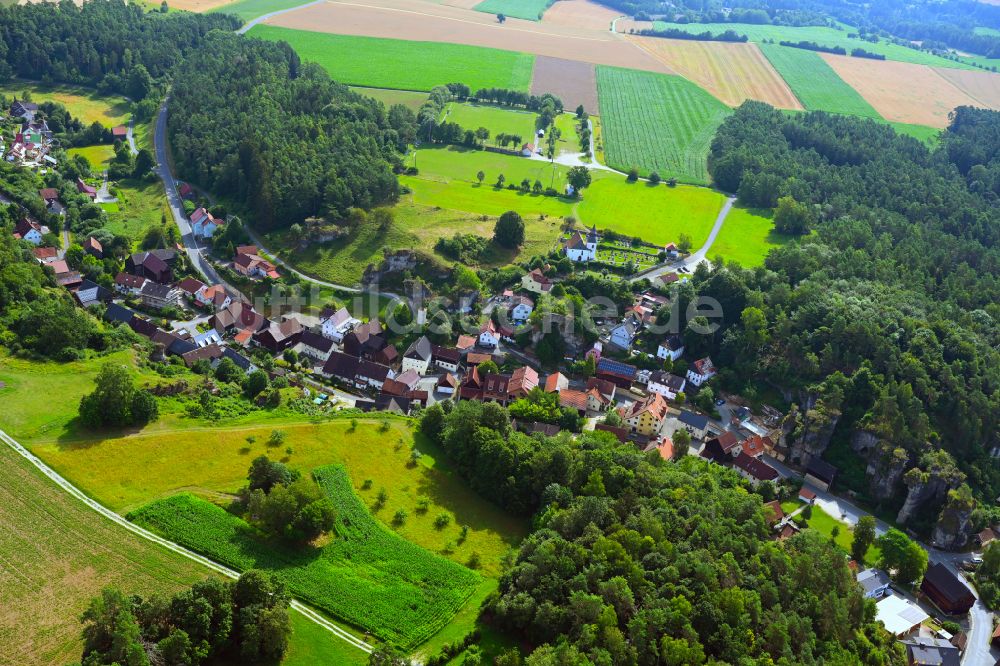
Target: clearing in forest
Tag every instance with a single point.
(85, 104)
(365, 574)
(408, 98)
(733, 72)
(657, 123)
(396, 63)
(572, 81)
(815, 83)
(497, 120)
(901, 92)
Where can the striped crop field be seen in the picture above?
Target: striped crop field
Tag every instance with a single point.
(657, 122)
(815, 83)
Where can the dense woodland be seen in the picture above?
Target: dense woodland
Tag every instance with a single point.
(309, 146)
(883, 322)
(634, 560)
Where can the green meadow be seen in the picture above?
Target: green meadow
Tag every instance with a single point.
(815, 83)
(405, 65)
(530, 10)
(746, 237)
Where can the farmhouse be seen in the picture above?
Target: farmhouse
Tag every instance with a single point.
(126, 283)
(521, 309)
(579, 248)
(88, 190)
(624, 334)
(279, 337)
(93, 247)
(602, 386)
(695, 424)
(365, 339)
(254, 267)
(489, 335)
(45, 255)
(314, 346)
(619, 373)
(820, 473)
(556, 382)
(446, 358)
(153, 265)
(159, 296)
(418, 355)
(238, 316)
(522, 380)
(214, 296)
(755, 470)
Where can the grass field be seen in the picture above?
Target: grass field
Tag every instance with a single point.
(251, 9)
(746, 237)
(823, 36)
(922, 133)
(496, 119)
(86, 104)
(365, 575)
(657, 122)
(141, 204)
(814, 82)
(406, 65)
(98, 156)
(732, 72)
(531, 10)
(408, 98)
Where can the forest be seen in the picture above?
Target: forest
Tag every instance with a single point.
(882, 323)
(309, 147)
(637, 560)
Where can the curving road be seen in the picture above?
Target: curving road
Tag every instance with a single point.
(697, 257)
(260, 19)
(169, 545)
(198, 259)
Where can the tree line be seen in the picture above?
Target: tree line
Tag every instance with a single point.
(890, 307)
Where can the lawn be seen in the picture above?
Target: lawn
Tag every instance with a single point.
(746, 237)
(569, 140)
(531, 10)
(86, 104)
(141, 204)
(822, 35)
(405, 65)
(98, 156)
(496, 119)
(815, 83)
(922, 133)
(657, 122)
(408, 98)
(365, 575)
(447, 179)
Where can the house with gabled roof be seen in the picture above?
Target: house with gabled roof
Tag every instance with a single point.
(536, 282)
(315, 346)
(88, 190)
(30, 230)
(701, 371)
(337, 323)
(159, 296)
(672, 348)
(489, 335)
(522, 380)
(579, 248)
(204, 224)
(418, 355)
(623, 335)
(279, 336)
(645, 416)
(618, 372)
(446, 358)
(665, 384)
(154, 265)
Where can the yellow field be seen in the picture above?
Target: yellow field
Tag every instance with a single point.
(900, 91)
(733, 72)
(984, 87)
(212, 461)
(98, 156)
(85, 104)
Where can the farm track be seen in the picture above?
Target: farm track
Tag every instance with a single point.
(169, 545)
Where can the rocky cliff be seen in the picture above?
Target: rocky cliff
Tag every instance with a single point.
(955, 522)
(807, 430)
(928, 483)
(886, 464)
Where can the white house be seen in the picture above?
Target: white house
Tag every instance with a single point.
(672, 348)
(623, 335)
(315, 346)
(489, 336)
(874, 582)
(30, 230)
(206, 338)
(337, 324)
(446, 358)
(701, 371)
(665, 384)
(213, 296)
(418, 356)
(521, 310)
(204, 224)
(578, 248)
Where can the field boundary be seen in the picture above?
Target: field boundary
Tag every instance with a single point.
(263, 17)
(54, 476)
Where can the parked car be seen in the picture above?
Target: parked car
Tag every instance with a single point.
(719, 402)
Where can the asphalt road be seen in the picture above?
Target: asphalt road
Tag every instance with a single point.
(700, 255)
(169, 545)
(198, 259)
(978, 651)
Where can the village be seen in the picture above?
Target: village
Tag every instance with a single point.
(663, 402)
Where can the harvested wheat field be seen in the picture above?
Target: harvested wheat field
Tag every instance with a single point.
(579, 14)
(421, 21)
(572, 81)
(197, 5)
(900, 91)
(984, 87)
(732, 72)
(464, 4)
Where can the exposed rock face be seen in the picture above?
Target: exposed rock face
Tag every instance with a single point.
(955, 522)
(807, 431)
(886, 463)
(929, 483)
